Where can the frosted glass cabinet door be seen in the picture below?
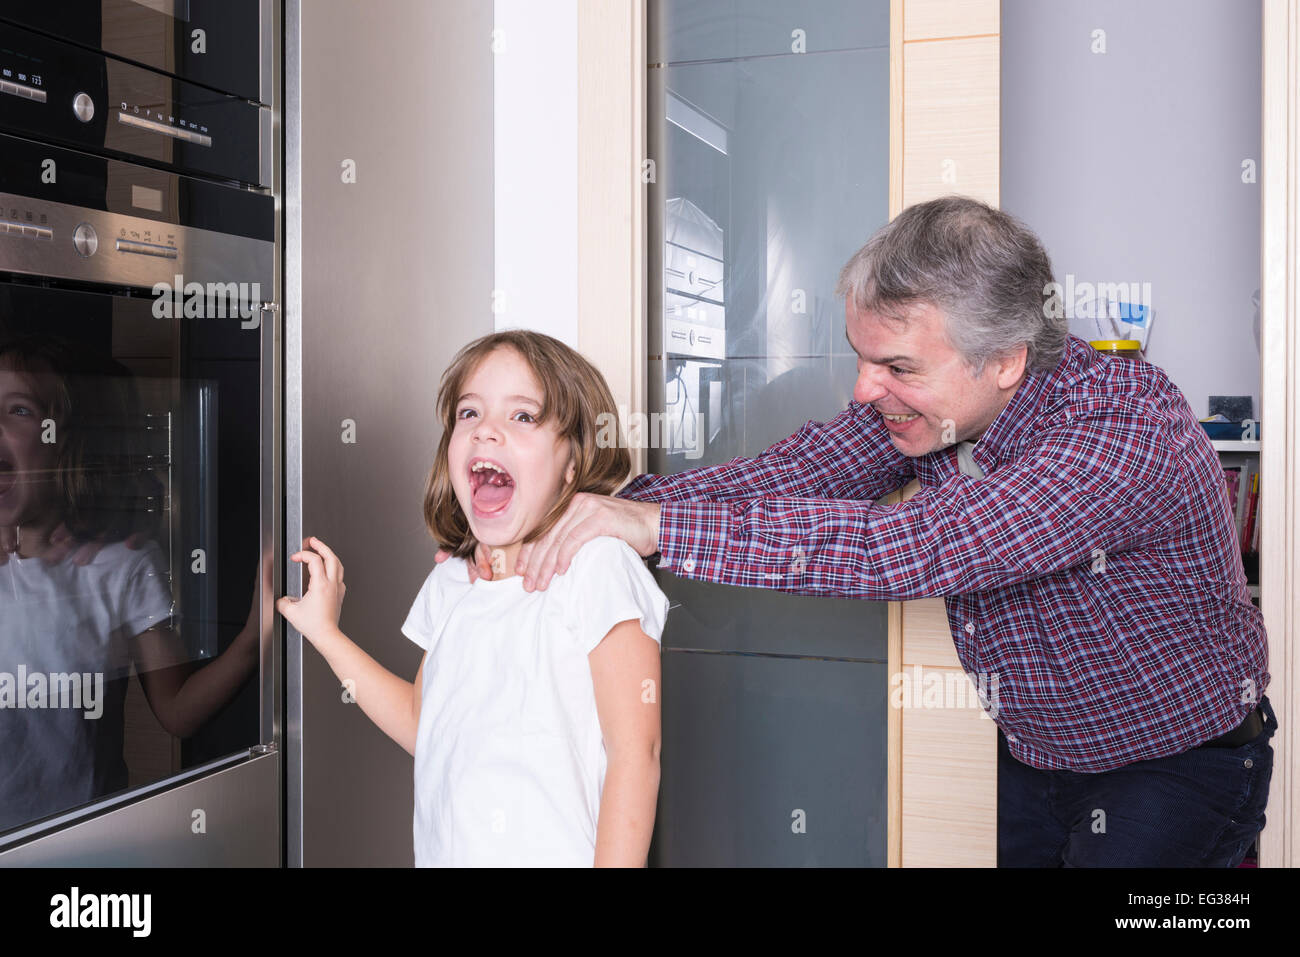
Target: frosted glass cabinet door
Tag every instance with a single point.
(769, 126)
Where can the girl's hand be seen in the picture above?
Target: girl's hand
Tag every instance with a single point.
(317, 611)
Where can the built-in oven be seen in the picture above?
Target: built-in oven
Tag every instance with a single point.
(223, 44)
(58, 92)
(136, 437)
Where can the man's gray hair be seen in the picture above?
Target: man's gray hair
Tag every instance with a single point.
(984, 269)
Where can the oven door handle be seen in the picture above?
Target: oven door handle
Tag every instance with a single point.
(270, 552)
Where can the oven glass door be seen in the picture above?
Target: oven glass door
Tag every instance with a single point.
(129, 486)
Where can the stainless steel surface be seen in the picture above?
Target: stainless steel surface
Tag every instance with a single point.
(268, 140)
(163, 129)
(84, 240)
(268, 501)
(201, 255)
(83, 107)
(240, 826)
(291, 715)
(384, 302)
(100, 810)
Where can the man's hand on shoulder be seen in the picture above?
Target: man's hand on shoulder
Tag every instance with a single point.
(588, 516)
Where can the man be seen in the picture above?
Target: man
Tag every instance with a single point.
(1072, 513)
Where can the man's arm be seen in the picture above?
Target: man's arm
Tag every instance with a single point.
(849, 457)
(1080, 490)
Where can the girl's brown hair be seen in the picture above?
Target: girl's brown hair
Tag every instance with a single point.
(574, 396)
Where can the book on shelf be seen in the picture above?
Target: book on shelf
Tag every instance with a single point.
(1248, 538)
(1242, 483)
(1232, 477)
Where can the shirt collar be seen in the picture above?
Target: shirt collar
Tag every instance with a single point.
(1027, 404)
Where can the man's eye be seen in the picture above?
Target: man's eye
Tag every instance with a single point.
(898, 371)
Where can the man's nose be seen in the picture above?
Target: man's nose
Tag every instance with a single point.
(868, 388)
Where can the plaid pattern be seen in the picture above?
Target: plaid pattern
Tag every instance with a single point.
(1093, 573)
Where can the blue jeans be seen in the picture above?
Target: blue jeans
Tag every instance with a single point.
(1200, 808)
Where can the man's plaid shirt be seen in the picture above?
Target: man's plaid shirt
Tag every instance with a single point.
(1094, 570)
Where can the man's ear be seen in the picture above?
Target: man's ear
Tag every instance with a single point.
(1011, 367)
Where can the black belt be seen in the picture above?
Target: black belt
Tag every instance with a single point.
(1248, 730)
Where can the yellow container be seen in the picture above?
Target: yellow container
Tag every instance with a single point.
(1127, 348)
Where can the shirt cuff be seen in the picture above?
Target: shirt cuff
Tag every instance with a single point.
(693, 537)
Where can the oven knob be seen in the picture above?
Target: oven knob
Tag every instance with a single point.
(84, 107)
(85, 240)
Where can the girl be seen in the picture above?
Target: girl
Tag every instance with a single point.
(534, 716)
(69, 469)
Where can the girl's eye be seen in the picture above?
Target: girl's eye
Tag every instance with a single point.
(462, 413)
(21, 410)
(527, 416)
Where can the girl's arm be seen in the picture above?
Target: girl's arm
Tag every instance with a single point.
(391, 702)
(625, 675)
(183, 695)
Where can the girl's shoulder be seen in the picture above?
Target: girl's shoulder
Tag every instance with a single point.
(447, 576)
(605, 555)
(607, 582)
(121, 559)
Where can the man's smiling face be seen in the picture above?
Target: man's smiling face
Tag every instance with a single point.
(910, 371)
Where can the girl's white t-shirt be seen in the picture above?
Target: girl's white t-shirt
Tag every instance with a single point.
(509, 758)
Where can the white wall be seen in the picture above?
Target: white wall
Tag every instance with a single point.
(535, 73)
(1128, 165)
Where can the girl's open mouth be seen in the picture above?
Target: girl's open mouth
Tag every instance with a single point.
(490, 487)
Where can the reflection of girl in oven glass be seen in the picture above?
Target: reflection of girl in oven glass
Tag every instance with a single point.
(79, 602)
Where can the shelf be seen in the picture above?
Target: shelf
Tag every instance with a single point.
(1235, 445)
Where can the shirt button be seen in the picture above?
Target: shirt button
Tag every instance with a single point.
(970, 627)
(688, 566)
